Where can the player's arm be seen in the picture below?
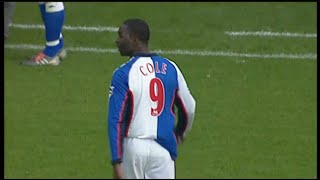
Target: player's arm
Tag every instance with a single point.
(186, 105)
(117, 100)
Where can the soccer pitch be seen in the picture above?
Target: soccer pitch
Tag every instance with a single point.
(250, 66)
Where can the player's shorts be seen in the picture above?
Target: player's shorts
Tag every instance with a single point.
(146, 159)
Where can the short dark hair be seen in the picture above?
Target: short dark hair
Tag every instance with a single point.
(138, 28)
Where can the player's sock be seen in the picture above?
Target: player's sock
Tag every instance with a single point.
(53, 21)
(42, 7)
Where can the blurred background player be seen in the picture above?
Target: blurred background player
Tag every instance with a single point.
(9, 8)
(53, 15)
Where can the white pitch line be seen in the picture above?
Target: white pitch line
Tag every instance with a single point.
(115, 29)
(176, 52)
(68, 27)
(265, 33)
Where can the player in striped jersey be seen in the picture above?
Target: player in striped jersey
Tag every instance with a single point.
(144, 95)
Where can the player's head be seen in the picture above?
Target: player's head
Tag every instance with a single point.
(132, 35)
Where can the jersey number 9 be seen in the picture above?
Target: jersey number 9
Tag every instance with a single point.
(157, 95)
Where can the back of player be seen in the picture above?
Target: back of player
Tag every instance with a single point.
(147, 116)
(150, 141)
(141, 119)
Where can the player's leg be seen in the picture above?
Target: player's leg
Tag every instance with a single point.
(160, 165)
(9, 8)
(53, 19)
(42, 7)
(53, 15)
(135, 155)
(63, 52)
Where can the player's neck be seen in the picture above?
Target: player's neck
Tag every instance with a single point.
(142, 50)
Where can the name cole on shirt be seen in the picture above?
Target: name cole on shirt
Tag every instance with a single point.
(149, 69)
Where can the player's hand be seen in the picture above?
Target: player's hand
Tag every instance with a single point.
(117, 171)
(179, 138)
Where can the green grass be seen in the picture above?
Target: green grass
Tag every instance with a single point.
(255, 118)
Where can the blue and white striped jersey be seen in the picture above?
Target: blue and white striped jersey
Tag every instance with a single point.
(144, 93)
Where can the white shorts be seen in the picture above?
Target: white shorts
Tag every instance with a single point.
(146, 159)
